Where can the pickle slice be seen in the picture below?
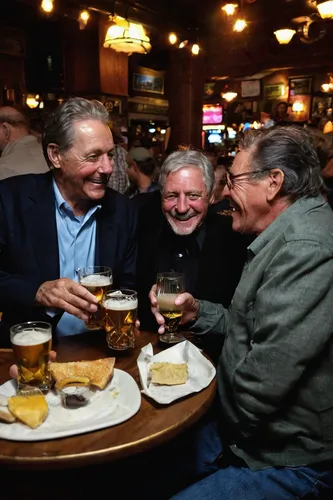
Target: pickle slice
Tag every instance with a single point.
(70, 381)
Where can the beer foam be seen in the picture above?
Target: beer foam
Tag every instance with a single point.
(95, 280)
(31, 337)
(121, 305)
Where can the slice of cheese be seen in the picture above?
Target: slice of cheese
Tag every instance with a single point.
(165, 373)
(31, 410)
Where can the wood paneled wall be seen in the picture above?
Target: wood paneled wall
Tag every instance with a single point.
(113, 66)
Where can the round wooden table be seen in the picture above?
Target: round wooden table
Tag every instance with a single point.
(153, 425)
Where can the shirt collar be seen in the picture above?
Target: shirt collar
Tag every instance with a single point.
(297, 209)
(61, 203)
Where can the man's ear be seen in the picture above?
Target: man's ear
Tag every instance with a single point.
(275, 183)
(53, 153)
(6, 131)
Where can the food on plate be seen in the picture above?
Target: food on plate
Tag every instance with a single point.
(6, 416)
(165, 373)
(3, 400)
(30, 409)
(74, 391)
(99, 371)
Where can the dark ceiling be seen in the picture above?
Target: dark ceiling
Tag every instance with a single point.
(203, 21)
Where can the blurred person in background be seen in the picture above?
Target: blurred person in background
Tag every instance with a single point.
(21, 153)
(36, 127)
(119, 179)
(219, 203)
(141, 171)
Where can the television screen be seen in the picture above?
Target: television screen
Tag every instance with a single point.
(212, 114)
(214, 137)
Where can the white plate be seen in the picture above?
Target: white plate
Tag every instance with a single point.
(119, 401)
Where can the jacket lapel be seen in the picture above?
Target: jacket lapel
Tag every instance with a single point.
(42, 222)
(106, 241)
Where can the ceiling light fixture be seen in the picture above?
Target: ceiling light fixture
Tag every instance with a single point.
(47, 6)
(128, 37)
(239, 25)
(325, 9)
(229, 96)
(183, 44)
(195, 49)
(83, 18)
(229, 8)
(173, 38)
(284, 36)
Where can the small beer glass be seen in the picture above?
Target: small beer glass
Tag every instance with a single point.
(119, 312)
(169, 286)
(31, 343)
(98, 280)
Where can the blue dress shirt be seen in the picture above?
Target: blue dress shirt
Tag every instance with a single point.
(76, 241)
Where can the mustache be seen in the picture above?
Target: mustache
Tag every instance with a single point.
(184, 217)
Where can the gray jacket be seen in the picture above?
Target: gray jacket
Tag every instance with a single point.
(275, 373)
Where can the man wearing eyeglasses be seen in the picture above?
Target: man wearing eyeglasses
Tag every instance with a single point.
(275, 372)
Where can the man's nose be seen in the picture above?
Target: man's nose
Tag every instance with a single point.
(226, 192)
(182, 204)
(106, 164)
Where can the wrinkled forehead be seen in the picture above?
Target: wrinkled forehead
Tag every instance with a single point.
(241, 163)
(185, 179)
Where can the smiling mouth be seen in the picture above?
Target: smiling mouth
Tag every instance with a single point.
(99, 181)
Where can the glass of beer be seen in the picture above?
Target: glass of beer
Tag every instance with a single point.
(98, 280)
(119, 312)
(31, 343)
(169, 286)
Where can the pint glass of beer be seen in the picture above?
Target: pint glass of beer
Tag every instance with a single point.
(119, 312)
(98, 280)
(31, 343)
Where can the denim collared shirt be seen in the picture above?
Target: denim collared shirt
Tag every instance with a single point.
(76, 241)
(275, 373)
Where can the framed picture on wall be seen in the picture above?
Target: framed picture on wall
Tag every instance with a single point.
(148, 83)
(300, 86)
(250, 88)
(320, 105)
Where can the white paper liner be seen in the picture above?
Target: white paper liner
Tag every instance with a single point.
(200, 371)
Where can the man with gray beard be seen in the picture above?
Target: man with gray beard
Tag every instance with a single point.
(178, 233)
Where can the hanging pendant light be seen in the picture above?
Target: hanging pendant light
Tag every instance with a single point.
(128, 37)
(325, 9)
(284, 36)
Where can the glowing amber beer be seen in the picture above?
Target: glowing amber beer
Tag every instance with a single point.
(169, 286)
(98, 280)
(31, 343)
(120, 311)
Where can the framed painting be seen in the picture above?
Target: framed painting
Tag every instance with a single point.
(148, 83)
(300, 86)
(250, 88)
(320, 105)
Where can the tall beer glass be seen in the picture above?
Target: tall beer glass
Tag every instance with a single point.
(98, 280)
(31, 343)
(169, 286)
(120, 311)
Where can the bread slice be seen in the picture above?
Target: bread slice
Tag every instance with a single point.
(165, 373)
(31, 410)
(100, 371)
(6, 416)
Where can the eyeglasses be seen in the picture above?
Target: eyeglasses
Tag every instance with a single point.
(231, 179)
